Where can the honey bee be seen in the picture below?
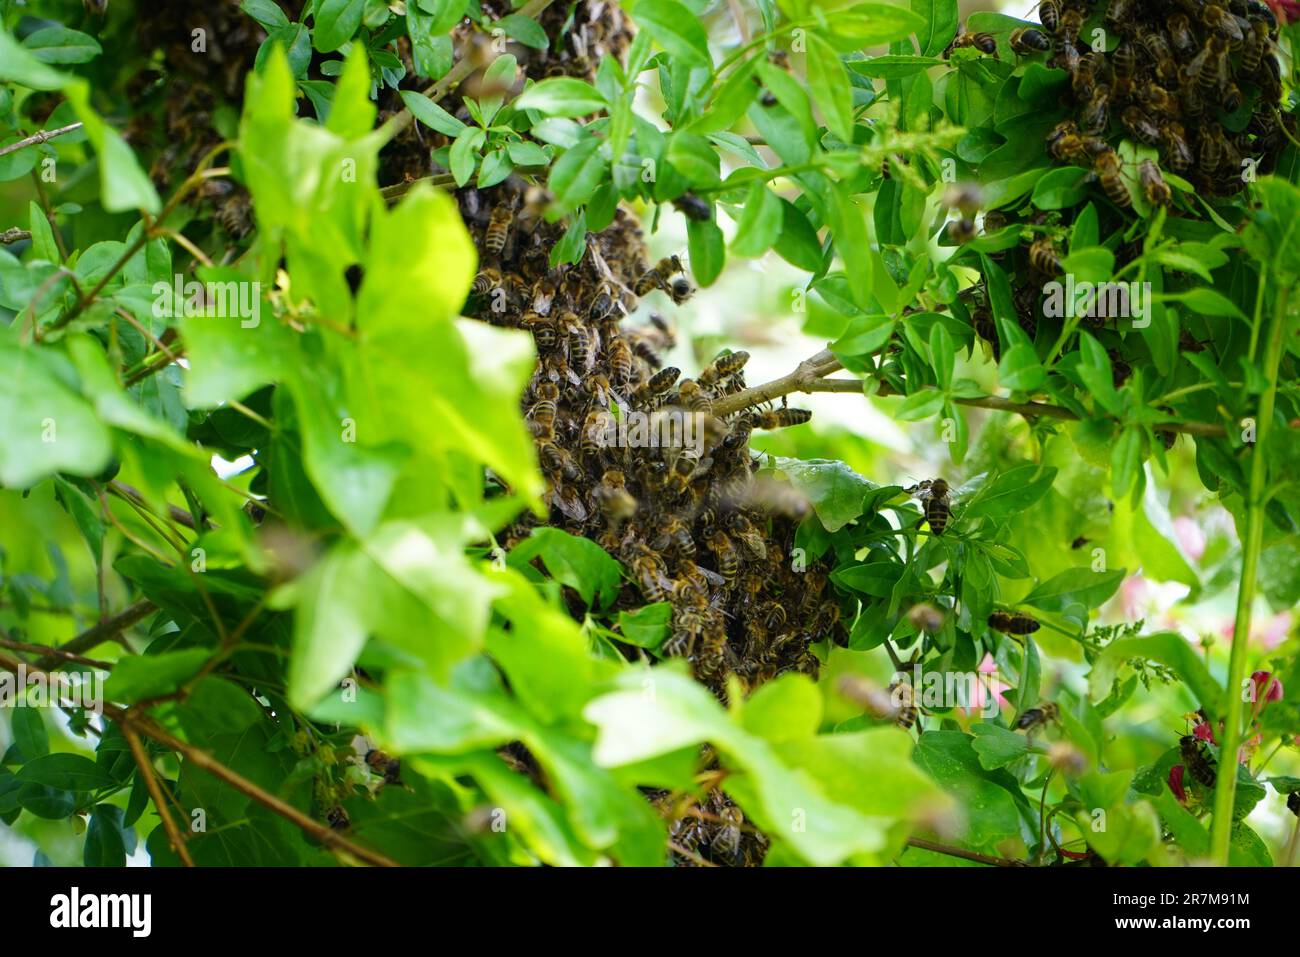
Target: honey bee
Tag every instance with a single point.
(781, 418)
(1180, 33)
(658, 276)
(1232, 98)
(727, 841)
(1155, 43)
(693, 397)
(556, 460)
(1158, 100)
(1200, 764)
(650, 391)
(580, 352)
(924, 617)
(1096, 112)
(672, 532)
(1218, 19)
(1140, 125)
(338, 819)
(986, 43)
(1039, 717)
(1257, 43)
(1118, 13)
(596, 432)
(751, 541)
(390, 769)
(724, 551)
(1064, 143)
(1071, 25)
(1154, 185)
(692, 207)
(1043, 257)
(498, 229)
(986, 329)
(542, 414)
(723, 367)
(1209, 68)
(962, 231)
(903, 697)
(1026, 41)
(680, 291)
(619, 359)
(485, 281)
(1013, 623)
(646, 567)
(1107, 168)
(683, 469)
(1211, 154)
(543, 329)
(1049, 14)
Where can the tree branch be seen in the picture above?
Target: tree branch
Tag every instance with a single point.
(14, 235)
(100, 633)
(141, 724)
(37, 138)
(962, 853)
(810, 375)
(155, 792)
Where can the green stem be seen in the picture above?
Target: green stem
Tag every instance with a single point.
(1226, 785)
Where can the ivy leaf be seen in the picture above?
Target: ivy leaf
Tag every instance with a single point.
(997, 746)
(524, 29)
(951, 760)
(940, 24)
(464, 154)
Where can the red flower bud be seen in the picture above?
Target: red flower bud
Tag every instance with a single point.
(1176, 783)
(1264, 679)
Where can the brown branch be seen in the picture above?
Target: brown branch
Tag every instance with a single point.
(150, 775)
(100, 633)
(37, 138)
(129, 494)
(27, 646)
(14, 235)
(205, 762)
(810, 376)
(455, 76)
(961, 852)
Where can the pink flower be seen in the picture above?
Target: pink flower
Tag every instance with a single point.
(1176, 783)
(1287, 11)
(1190, 537)
(1264, 679)
(1205, 733)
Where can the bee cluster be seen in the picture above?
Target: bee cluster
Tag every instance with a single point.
(1196, 81)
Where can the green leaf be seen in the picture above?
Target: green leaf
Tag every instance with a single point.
(524, 29)
(707, 250)
(1020, 369)
(18, 65)
(336, 604)
(786, 709)
(830, 87)
(760, 224)
(894, 67)
(986, 796)
(833, 488)
(577, 174)
(58, 44)
(1011, 492)
(1075, 591)
(577, 562)
(1061, 188)
(123, 185)
(65, 772)
(464, 154)
(562, 96)
(431, 114)
(29, 733)
(335, 23)
(137, 677)
(940, 24)
(105, 838)
(997, 746)
(647, 627)
(676, 29)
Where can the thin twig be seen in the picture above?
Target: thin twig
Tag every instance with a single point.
(150, 775)
(962, 853)
(105, 631)
(37, 138)
(176, 513)
(27, 646)
(14, 235)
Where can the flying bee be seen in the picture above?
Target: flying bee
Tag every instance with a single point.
(542, 414)
(1043, 256)
(1180, 33)
(725, 552)
(751, 540)
(656, 386)
(1140, 125)
(781, 418)
(1200, 764)
(933, 494)
(924, 617)
(692, 207)
(1026, 41)
(962, 231)
(1095, 116)
(486, 280)
(390, 769)
(1039, 717)
(903, 697)
(613, 499)
(498, 229)
(986, 43)
(658, 276)
(1013, 623)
